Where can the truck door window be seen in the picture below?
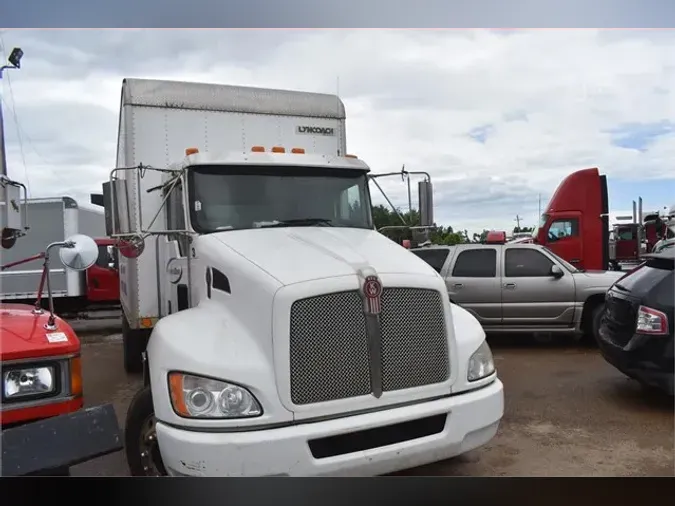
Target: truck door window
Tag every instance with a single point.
(559, 229)
(434, 257)
(476, 263)
(103, 259)
(625, 234)
(526, 263)
(175, 217)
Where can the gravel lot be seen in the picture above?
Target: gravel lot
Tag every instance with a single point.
(568, 413)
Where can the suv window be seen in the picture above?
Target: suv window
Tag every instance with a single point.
(526, 263)
(559, 229)
(476, 263)
(435, 257)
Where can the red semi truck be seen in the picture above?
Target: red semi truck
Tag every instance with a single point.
(575, 225)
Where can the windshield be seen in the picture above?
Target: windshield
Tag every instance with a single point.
(565, 263)
(244, 197)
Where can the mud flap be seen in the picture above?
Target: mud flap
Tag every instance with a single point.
(60, 441)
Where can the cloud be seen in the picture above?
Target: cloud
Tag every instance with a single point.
(496, 118)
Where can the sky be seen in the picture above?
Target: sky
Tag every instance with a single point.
(498, 118)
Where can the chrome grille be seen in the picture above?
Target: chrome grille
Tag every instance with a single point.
(329, 357)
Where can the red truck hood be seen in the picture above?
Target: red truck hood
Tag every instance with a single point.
(23, 335)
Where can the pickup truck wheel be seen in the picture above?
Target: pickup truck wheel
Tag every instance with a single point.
(134, 343)
(140, 437)
(596, 320)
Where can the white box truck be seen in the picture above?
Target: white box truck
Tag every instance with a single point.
(288, 337)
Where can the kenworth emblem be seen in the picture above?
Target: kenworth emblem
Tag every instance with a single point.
(372, 292)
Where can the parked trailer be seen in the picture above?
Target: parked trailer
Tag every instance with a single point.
(290, 337)
(51, 220)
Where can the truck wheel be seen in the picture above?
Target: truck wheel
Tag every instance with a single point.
(593, 333)
(140, 438)
(134, 343)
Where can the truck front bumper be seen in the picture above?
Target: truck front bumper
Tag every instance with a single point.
(336, 447)
(59, 442)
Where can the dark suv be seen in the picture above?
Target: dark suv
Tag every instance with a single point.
(636, 334)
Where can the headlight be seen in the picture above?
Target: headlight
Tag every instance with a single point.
(197, 397)
(28, 382)
(481, 363)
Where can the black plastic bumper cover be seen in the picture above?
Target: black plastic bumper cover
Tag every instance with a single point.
(61, 441)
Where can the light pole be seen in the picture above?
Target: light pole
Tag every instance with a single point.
(14, 220)
(14, 62)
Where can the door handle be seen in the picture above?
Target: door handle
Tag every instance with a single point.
(510, 286)
(574, 261)
(458, 285)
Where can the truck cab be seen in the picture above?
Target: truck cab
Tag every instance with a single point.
(102, 278)
(575, 225)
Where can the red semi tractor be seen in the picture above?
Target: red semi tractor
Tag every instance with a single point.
(575, 226)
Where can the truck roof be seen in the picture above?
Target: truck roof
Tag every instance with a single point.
(227, 98)
(307, 160)
(474, 245)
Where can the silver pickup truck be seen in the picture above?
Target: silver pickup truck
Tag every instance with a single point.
(521, 288)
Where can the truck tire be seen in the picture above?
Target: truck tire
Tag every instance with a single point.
(134, 343)
(594, 331)
(140, 439)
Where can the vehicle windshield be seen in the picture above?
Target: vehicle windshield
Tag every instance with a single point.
(244, 197)
(565, 263)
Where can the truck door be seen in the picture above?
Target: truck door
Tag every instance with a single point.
(563, 237)
(531, 295)
(473, 283)
(626, 242)
(103, 282)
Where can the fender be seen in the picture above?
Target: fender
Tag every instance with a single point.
(469, 335)
(212, 341)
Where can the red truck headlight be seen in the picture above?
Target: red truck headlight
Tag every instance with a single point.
(24, 381)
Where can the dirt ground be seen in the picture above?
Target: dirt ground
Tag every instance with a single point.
(568, 413)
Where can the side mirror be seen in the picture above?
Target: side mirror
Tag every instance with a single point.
(79, 252)
(426, 203)
(556, 272)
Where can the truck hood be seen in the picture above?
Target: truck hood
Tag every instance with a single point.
(297, 254)
(613, 275)
(23, 334)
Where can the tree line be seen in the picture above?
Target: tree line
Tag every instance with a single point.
(384, 217)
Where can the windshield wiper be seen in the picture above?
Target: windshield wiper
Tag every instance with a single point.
(301, 222)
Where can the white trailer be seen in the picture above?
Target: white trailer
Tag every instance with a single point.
(284, 327)
(51, 220)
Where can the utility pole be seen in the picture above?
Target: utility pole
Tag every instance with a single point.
(539, 216)
(14, 62)
(517, 220)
